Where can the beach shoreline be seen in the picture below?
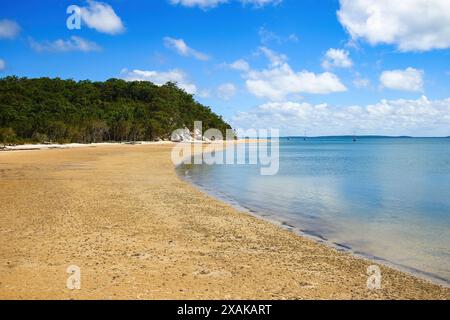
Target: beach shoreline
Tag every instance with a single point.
(138, 231)
(285, 224)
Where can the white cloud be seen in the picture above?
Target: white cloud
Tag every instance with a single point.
(204, 93)
(420, 117)
(411, 25)
(361, 82)
(279, 80)
(2, 64)
(9, 29)
(183, 49)
(409, 79)
(207, 4)
(204, 4)
(102, 17)
(337, 58)
(226, 91)
(73, 44)
(275, 58)
(262, 3)
(266, 36)
(240, 65)
(161, 77)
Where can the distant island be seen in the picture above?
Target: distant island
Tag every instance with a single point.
(361, 136)
(66, 111)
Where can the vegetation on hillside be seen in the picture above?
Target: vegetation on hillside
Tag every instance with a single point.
(56, 110)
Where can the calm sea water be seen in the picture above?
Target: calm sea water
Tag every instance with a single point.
(383, 198)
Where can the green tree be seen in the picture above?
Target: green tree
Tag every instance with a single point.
(116, 110)
(7, 135)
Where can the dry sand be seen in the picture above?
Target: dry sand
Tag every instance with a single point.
(137, 231)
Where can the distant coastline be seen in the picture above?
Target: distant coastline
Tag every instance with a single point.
(366, 136)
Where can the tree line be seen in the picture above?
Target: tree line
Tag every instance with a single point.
(64, 111)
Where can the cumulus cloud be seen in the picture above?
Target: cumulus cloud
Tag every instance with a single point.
(2, 64)
(207, 4)
(337, 58)
(279, 80)
(9, 29)
(421, 117)
(409, 79)
(101, 17)
(240, 65)
(183, 49)
(226, 91)
(161, 77)
(411, 25)
(73, 44)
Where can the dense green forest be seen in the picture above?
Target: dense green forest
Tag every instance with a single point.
(56, 110)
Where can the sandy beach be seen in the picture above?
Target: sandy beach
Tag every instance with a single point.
(137, 231)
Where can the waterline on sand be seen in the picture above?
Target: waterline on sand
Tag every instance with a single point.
(358, 197)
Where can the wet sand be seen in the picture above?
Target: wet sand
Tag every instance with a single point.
(137, 231)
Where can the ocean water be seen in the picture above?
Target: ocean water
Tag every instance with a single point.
(383, 198)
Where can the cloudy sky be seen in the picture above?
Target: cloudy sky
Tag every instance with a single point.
(328, 66)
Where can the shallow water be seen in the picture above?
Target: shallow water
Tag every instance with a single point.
(385, 198)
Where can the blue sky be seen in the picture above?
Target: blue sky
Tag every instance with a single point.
(328, 66)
